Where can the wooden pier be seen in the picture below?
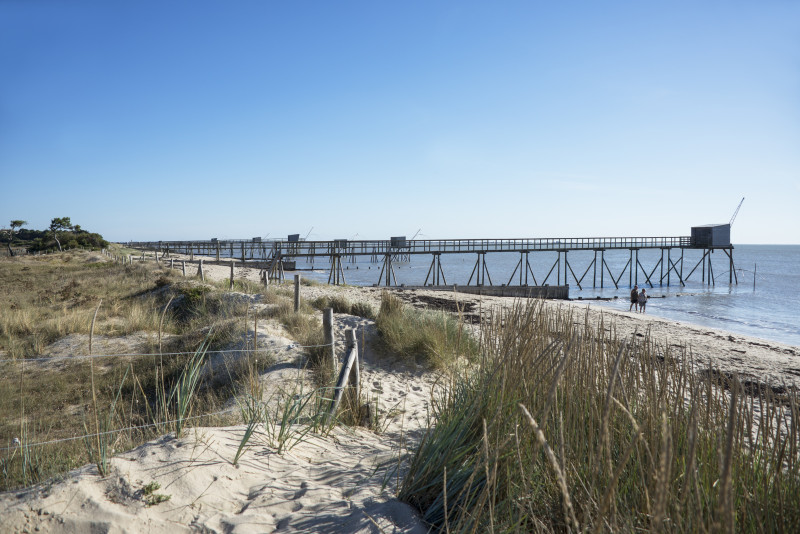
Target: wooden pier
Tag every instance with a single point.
(670, 267)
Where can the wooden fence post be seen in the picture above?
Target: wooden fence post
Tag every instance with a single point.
(232, 262)
(351, 359)
(183, 267)
(296, 293)
(355, 374)
(200, 270)
(327, 327)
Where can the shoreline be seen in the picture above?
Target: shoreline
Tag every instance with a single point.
(751, 357)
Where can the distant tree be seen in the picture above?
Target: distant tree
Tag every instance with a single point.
(14, 225)
(59, 224)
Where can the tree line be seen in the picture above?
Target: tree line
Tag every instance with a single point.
(60, 234)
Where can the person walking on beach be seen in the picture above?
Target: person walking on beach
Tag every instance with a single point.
(634, 297)
(642, 300)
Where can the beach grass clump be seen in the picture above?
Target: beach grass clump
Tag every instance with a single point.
(564, 428)
(436, 339)
(341, 304)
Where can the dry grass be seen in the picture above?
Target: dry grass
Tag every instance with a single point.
(436, 339)
(50, 297)
(563, 427)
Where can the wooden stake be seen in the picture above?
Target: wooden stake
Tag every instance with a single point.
(296, 293)
(344, 377)
(355, 376)
(327, 327)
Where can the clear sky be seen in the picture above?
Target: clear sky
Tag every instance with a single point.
(363, 120)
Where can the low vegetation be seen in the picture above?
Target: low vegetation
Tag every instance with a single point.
(435, 339)
(148, 325)
(563, 427)
(340, 304)
(151, 331)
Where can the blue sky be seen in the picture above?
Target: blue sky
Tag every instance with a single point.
(192, 120)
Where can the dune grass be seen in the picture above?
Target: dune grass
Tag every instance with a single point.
(341, 304)
(435, 339)
(564, 427)
(44, 399)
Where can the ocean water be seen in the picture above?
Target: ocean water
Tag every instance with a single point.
(765, 303)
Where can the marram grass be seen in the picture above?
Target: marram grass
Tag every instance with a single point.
(564, 428)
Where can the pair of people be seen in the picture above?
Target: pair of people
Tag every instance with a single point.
(638, 299)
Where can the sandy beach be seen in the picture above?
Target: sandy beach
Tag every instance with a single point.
(341, 482)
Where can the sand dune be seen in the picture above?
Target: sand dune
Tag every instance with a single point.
(344, 481)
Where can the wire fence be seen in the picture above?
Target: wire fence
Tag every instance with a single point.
(116, 431)
(134, 355)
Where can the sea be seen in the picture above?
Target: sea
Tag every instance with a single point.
(763, 301)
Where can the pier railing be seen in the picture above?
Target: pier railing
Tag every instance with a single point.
(272, 255)
(424, 246)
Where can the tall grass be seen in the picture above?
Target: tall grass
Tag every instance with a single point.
(48, 299)
(436, 339)
(341, 304)
(564, 427)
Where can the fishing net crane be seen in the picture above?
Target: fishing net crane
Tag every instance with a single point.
(735, 213)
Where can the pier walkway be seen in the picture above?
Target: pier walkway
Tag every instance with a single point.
(272, 255)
